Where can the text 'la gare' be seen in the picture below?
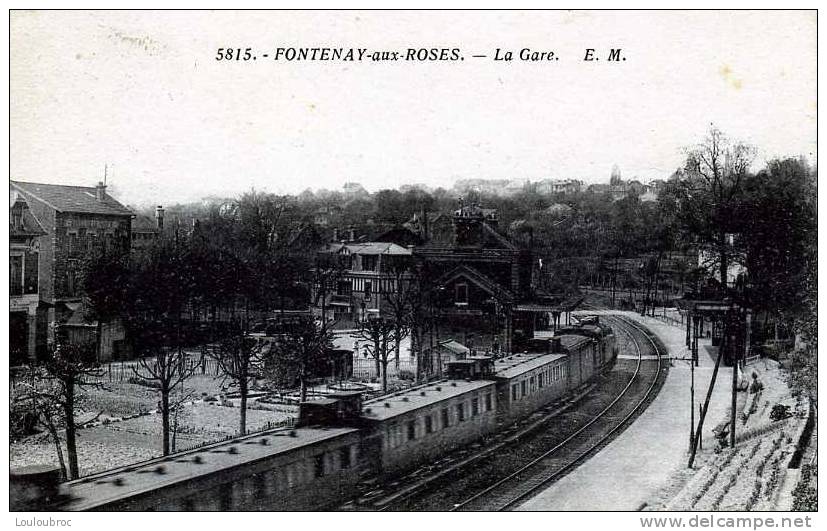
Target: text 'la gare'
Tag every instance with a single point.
(527, 54)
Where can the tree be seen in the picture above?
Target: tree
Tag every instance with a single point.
(165, 370)
(301, 345)
(59, 381)
(778, 222)
(377, 332)
(240, 357)
(162, 286)
(105, 276)
(400, 297)
(708, 193)
(32, 404)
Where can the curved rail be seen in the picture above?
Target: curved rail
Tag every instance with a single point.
(537, 483)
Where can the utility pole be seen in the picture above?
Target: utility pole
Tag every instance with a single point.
(705, 408)
(732, 347)
(693, 350)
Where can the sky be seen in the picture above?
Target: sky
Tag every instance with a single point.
(142, 94)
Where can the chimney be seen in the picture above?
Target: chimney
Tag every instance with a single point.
(351, 234)
(556, 347)
(335, 235)
(100, 191)
(159, 217)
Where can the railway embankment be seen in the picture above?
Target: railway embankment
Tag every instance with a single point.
(763, 470)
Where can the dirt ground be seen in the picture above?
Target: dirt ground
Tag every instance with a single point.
(127, 428)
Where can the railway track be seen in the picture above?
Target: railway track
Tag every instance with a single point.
(521, 484)
(554, 437)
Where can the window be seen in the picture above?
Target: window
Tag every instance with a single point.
(446, 420)
(461, 412)
(514, 395)
(343, 287)
(540, 380)
(16, 275)
(531, 383)
(369, 262)
(522, 388)
(71, 282)
(344, 457)
(461, 293)
(488, 402)
(411, 430)
(429, 424)
(318, 466)
(30, 272)
(368, 289)
(475, 407)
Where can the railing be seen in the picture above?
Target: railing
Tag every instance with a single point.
(365, 368)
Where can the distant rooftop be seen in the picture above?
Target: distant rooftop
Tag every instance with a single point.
(386, 248)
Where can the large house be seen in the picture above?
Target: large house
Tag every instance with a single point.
(27, 327)
(76, 220)
(370, 272)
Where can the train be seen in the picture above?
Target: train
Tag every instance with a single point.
(343, 440)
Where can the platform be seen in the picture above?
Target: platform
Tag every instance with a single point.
(622, 475)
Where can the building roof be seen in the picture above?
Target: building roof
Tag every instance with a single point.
(517, 364)
(393, 405)
(141, 223)
(455, 347)
(30, 226)
(99, 489)
(62, 198)
(386, 248)
(478, 279)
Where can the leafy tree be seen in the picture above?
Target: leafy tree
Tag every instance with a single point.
(778, 222)
(105, 277)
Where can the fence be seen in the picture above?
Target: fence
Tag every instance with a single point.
(120, 371)
(287, 423)
(365, 368)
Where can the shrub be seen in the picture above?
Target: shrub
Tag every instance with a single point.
(779, 412)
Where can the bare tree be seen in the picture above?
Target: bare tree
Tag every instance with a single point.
(32, 398)
(399, 297)
(240, 357)
(166, 371)
(59, 381)
(709, 192)
(377, 332)
(301, 345)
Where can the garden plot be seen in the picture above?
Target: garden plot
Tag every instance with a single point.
(127, 427)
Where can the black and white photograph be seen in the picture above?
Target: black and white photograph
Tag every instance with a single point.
(417, 261)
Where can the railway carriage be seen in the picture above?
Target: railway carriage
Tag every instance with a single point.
(340, 441)
(417, 425)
